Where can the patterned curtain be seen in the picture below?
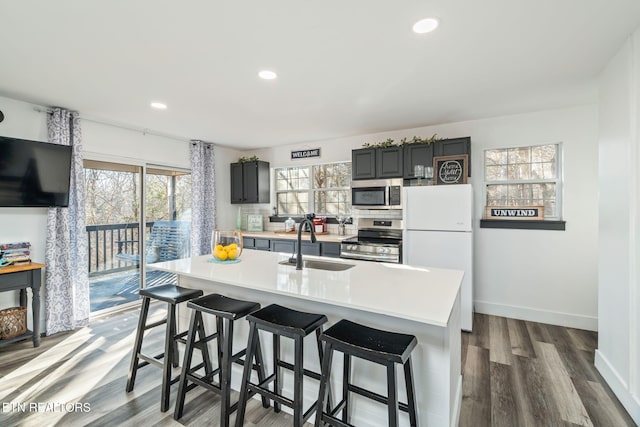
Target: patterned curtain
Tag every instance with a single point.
(203, 195)
(67, 286)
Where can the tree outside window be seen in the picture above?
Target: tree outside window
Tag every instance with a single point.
(524, 176)
(323, 189)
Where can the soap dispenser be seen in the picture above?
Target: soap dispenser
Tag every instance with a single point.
(289, 225)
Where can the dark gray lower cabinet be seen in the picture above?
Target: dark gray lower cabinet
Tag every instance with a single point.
(328, 249)
(256, 243)
(287, 246)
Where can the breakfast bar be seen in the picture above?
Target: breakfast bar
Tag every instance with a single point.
(424, 302)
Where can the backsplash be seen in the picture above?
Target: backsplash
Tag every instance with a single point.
(350, 229)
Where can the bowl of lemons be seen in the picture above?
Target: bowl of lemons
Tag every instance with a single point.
(226, 246)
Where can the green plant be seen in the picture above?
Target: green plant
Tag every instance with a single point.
(248, 159)
(415, 140)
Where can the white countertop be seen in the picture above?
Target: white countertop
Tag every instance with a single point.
(425, 295)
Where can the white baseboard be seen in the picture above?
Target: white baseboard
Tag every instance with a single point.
(577, 321)
(619, 386)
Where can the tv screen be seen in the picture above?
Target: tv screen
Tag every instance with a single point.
(34, 174)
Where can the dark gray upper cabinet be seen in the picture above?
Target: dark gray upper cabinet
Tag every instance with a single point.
(250, 182)
(455, 146)
(416, 154)
(371, 163)
(389, 162)
(363, 163)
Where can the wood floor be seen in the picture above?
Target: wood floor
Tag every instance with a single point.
(516, 373)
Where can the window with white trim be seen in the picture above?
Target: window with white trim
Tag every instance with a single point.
(323, 189)
(525, 176)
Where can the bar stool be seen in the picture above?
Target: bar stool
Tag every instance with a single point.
(374, 345)
(172, 295)
(227, 311)
(281, 321)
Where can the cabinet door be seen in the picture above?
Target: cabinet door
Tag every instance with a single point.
(389, 162)
(262, 192)
(286, 246)
(263, 244)
(363, 163)
(309, 248)
(236, 183)
(330, 249)
(248, 243)
(451, 147)
(250, 182)
(416, 154)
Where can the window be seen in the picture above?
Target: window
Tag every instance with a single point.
(525, 176)
(323, 189)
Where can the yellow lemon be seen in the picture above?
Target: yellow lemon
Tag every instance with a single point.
(221, 255)
(218, 247)
(226, 248)
(233, 246)
(232, 254)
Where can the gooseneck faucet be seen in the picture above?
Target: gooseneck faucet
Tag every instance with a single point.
(313, 240)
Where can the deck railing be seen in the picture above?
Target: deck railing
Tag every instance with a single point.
(103, 244)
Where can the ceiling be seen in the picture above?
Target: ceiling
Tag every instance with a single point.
(345, 67)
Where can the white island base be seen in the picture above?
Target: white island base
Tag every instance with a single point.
(422, 302)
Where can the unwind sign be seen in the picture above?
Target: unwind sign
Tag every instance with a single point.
(504, 212)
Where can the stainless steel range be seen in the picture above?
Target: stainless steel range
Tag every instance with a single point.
(378, 240)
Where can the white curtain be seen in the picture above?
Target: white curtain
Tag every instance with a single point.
(203, 196)
(67, 280)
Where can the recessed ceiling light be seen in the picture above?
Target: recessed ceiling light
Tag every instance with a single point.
(425, 25)
(159, 105)
(267, 75)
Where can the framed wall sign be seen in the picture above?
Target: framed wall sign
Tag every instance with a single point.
(450, 169)
(305, 154)
(254, 222)
(515, 212)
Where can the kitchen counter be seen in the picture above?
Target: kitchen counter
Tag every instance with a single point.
(294, 236)
(421, 301)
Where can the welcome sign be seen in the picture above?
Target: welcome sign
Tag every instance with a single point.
(515, 212)
(304, 154)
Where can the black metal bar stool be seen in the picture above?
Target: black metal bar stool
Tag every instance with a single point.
(227, 311)
(385, 348)
(281, 321)
(172, 295)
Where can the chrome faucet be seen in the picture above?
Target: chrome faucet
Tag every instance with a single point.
(313, 240)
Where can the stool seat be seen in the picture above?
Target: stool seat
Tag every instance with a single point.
(171, 294)
(288, 322)
(222, 306)
(370, 343)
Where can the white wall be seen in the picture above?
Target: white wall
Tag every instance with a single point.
(618, 354)
(545, 276)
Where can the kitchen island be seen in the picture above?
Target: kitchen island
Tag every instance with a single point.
(419, 301)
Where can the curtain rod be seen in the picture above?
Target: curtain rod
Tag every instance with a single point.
(143, 131)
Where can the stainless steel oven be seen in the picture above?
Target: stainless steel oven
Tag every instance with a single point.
(378, 240)
(377, 194)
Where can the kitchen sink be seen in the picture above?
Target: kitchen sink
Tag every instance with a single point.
(320, 265)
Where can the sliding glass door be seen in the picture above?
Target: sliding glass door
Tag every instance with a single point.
(117, 237)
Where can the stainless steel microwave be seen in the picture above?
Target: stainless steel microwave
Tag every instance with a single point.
(377, 194)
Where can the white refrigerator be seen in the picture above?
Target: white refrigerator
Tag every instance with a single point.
(437, 222)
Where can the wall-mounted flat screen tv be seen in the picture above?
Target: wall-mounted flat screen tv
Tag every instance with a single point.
(34, 174)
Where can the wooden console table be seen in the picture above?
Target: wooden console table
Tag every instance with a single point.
(21, 277)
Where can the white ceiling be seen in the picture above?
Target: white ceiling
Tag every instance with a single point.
(345, 67)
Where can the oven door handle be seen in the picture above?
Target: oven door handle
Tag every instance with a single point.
(370, 257)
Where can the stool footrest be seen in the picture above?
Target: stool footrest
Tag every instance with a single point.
(375, 396)
(306, 372)
(150, 360)
(335, 422)
(154, 324)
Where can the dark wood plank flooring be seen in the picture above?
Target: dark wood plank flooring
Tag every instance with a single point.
(515, 373)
